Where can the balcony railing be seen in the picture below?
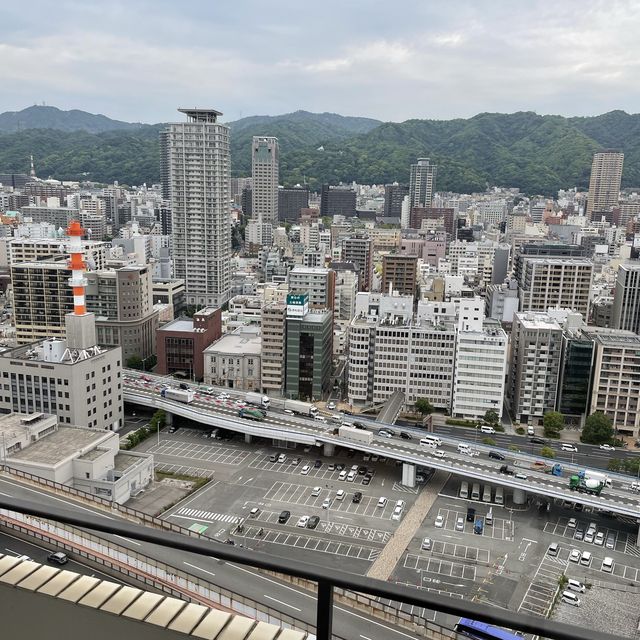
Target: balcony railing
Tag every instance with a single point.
(327, 581)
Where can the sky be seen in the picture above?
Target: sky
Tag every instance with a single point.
(140, 60)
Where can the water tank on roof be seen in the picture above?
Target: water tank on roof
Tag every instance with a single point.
(53, 350)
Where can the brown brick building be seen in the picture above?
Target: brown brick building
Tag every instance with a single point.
(399, 271)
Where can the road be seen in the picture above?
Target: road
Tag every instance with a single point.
(253, 585)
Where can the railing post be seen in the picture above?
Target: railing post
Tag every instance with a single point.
(324, 611)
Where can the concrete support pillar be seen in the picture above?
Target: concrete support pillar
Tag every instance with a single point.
(168, 418)
(519, 496)
(638, 536)
(329, 449)
(408, 474)
(248, 438)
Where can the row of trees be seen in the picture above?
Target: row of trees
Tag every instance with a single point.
(158, 420)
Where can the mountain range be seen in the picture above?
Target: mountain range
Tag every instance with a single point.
(538, 154)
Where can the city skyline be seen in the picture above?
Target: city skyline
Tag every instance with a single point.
(330, 58)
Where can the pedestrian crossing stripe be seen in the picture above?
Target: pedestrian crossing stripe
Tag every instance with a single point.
(207, 515)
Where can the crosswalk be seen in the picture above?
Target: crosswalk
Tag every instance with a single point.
(206, 516)
(397, 486)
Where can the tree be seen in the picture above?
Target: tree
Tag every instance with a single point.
(134, 362)
(489, 441)
(597, 429)
(424, 407)
(491, 416)
(547, 452)
(553, 423)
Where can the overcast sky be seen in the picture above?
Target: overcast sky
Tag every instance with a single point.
(139, 60)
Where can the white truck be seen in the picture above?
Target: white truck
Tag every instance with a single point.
(356, 435)
(257, 399)
(590, 474)
(181, 395)
(301, 408)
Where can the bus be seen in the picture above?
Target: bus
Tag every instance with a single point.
(486, 494)
(464, 490)
(483, 631)
(475, 491)
(499, 495)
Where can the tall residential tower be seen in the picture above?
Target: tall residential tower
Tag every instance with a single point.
(196, 173)
(264, 171)
(604, 183)
(421, 183)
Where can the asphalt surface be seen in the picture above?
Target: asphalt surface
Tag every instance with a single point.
(253, 585)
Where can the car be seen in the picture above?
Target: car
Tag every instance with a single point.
(607, 565)
(382, 502)
(172, 429)
(579, 534)
(611, 540)
(331, 405)
(273, 457)
(521, 476)
(316, 492)
(574, 556)
(357, 496)
(383, 433)
(375, 458)
(305, 470)
(313, 522)
(496, 455)
(331, 467)
(354, 467)
(460, 524)
(340, 494)
(296, 461)
(599, 539)
(438, 453)
(397, 513)
(327, 503)
(362, 471)
(607, 447)
(351, 453)
(406, 436)
(317, 464)
(366, 457)
(240, 403)
(420, 478)
(307, 449)
(302, 521)
(578, 506)
(351, 476)
(221, 396)
(340, 467)
(282, 458)
(254, 512)
(585, 558)
(589, 536)
(569, 447)
(506, 470)
(288, 411)
(284, 517)
(570, 598)
(439, 523)
(366, 480)
(487, 429)
(471, 514)
(359, 425)
(57, 557)
(319, 418)
(537, 440)
(343, 475)
(576, 585)
(426, 544)
(573, 523)
(553, 549)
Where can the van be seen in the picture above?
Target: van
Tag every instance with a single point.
(382, 502)
(464, 448)
(575, 585)
(570, 598)
(569, 447)
(486, 494)
(499, 497)
(464, 490)
(475, 491)
(487, 429)
(427, 440)
(585, 559)
(554, 549)
(531, 431)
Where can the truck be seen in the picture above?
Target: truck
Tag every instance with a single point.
(301, 408)
(257, 399)
(586, 485)
(356, 435)
(181, 395)
(590, 474)
(251, 414)
(554, 470)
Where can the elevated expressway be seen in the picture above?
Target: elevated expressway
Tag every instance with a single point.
(282, 428)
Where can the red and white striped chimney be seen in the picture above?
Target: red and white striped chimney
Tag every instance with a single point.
(77, 282)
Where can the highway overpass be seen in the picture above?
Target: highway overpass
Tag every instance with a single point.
(282, 428)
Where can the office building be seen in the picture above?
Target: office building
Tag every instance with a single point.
(273, 330)
(264, 195)
(291, 201)
(614, 382)
(32, 249)
(534, 366)
(344, 307)
(433, 219)
(318, 282)
(180, 343)
(422, 182)
(399, 273)
(358, 250)
(604, 182)
(309, 350)
(481, 363)
(575, 376)
(626, 299)
(337, 201)
(523, 249)
(563, 283)
(195, 171)
(233, 361)
(394, 195)
(501, 301)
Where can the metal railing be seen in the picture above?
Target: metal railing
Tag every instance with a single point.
(326, 580)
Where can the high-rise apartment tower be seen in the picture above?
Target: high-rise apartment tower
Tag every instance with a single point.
(604, 183)
(421, 183)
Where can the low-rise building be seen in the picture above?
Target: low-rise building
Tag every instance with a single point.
(234, 361)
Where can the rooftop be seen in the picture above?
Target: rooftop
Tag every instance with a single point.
(531, 320)
(613, 337)
(61, 445)
(238, 343)
(14, 424)
(180, 324)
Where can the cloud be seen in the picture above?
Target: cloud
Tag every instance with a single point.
(140, 60)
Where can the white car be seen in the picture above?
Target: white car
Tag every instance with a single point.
(305, 470)
(343, 475)
(302, 521)
(521, 476)
(319, 418)
(351, 476)
(240, 403)
(574, 556)
(327, 503)
(340, 494)
(607, 447)
(331, 405)
(438, 453)
(254, 512)
(384, 434)
(572, 523)
(460, 524)
(316, 492)
(223, 396)
(439, 521)
(599, 539)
